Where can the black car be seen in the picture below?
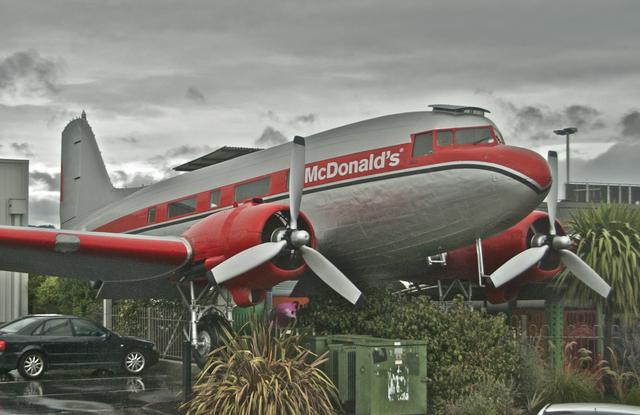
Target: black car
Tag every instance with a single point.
(36, 343)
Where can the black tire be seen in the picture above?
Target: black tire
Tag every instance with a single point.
(32, 364)
(211, 331)
(134, 362)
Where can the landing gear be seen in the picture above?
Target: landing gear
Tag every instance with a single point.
(211, 330)
(208, 325)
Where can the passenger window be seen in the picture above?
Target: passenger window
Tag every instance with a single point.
(57, 327)
(214, 199)
(252, 189)
(151, 215)
(182, 207)
(444, 138)
(474, 136)
(423, 144)
(86, 328)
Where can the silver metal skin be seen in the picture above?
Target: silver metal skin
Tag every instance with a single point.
(561, 242)
(296, 179)
(539, 240)
(299, 238)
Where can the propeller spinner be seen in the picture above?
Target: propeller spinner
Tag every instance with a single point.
(542, 244)
(290, 238)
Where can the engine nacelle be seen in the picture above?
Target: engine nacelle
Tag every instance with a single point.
(246, 297)
(498, 249)
(224, 234)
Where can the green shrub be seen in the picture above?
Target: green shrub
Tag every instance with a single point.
(531, 378)
(262, 373)
(579, 379)
(488, 397)
(463, 345)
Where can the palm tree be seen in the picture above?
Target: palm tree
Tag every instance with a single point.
(608, 239)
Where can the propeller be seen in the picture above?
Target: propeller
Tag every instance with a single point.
(541, 244)
(290, 238)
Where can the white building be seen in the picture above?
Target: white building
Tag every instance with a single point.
(14, 196)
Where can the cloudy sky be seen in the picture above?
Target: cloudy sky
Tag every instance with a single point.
(166, 81)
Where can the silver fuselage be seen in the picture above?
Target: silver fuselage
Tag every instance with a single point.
(381, 225)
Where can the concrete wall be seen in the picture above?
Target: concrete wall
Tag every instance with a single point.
(14, 210)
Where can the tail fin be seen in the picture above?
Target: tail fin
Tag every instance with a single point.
(85, 185)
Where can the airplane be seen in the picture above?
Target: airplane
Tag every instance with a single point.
(380, 196)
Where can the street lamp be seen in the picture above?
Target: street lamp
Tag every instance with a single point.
(567, 132)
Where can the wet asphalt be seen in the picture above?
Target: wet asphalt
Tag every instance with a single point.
(157, 391)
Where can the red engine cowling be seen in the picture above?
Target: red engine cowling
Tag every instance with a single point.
(498, 249)
(224, 234)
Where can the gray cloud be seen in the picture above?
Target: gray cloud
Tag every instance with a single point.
(23, 149)
(584, 116)
(305, 119)
(120, 178)
(631, 124)
(130, 140)
(30, 72)
(44, 211)
(535, 123)
(187, 150)
(617, 165)
(195, 95)
(271, 115)
(270, 137)
(52, 181)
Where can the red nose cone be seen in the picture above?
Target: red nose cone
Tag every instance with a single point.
(527, 163)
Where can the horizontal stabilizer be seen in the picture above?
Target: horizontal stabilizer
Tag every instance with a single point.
(91, 256)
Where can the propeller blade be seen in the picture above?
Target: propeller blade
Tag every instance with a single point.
(246, 260)
(517, 265)
(331, 275)
(296, 179)
(585, 273)
(552, 198)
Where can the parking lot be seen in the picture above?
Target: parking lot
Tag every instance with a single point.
(157, 391)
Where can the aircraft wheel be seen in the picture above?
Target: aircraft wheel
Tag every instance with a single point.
(211, 331)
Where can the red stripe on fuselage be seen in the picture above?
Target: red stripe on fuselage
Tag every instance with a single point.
(375, 162)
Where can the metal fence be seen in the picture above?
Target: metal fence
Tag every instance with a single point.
(164, 325)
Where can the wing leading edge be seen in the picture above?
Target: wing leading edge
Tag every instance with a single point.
(91, 255)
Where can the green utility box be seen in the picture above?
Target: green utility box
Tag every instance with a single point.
(242, 315)
(378, 376)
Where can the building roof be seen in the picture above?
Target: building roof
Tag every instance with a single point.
(217, 156)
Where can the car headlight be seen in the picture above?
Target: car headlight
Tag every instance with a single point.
(154, 347)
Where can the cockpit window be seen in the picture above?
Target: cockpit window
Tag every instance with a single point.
(477, 135)
(423, 144)
(444, 138)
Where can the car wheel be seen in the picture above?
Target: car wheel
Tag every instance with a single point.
(211, 331)
(134, 362)
(31, 365)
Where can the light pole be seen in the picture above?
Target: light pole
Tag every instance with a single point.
(567, 132)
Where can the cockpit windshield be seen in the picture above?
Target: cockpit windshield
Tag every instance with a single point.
(476, 135)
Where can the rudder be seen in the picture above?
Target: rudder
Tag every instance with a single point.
(85, 185)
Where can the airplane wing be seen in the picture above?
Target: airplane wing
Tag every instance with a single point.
(91, 255)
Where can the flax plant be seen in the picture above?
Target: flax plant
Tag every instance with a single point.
(262, 372)
(608, 239)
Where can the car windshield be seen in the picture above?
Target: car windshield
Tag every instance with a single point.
(16, 326)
